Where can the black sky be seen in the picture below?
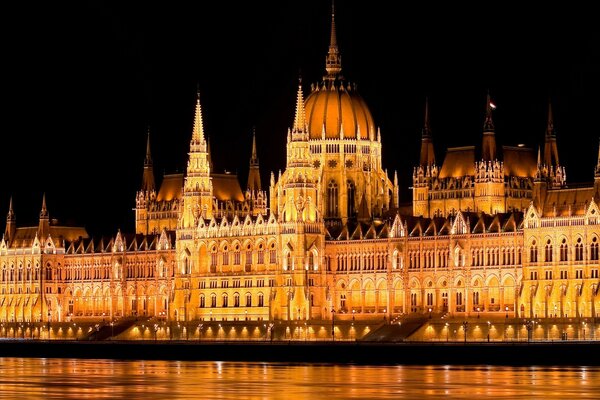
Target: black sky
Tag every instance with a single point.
(82, 83)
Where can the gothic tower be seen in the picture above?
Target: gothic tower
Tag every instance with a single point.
(196, 204)
(146, 194)
(11, 223)
(489, 172)
(426, 171)
(255, 196)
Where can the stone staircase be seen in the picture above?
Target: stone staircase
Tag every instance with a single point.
(397, 331)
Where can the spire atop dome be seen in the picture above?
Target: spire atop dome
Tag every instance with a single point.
(333, 61)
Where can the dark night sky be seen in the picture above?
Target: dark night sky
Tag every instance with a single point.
(82, 82)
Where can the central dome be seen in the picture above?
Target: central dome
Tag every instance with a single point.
(333, 107)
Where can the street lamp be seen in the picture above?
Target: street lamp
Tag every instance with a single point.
(488, 333)
(583, 323)
(465, 325)
(506, 309)
(200, 331)
(447, 330)
(429, 312)
(353, 312)
(478, 312)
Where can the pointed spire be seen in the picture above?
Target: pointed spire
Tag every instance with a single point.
(488, 148)
(550, 146)
(44, 211)
(11, 213)
(148, 159)
(254, 184)
(597, 164)
(426, 132)
(539, 159)
(550, 126)
(148, 177)
(427, 152)
(198, 132)
(254, 157)
(11, 223)
(333, 61)
(488, 125)
(300, 116)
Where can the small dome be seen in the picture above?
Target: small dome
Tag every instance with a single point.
(333, 105)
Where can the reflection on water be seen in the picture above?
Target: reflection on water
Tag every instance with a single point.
(109, 379)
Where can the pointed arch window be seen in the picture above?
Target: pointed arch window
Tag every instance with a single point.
(351, 195)
(533, 252)
(564, 250)
(332, 199)
(594, 249)
(579, 250)
(548, 253)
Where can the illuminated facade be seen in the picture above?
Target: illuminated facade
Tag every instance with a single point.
(492, 232)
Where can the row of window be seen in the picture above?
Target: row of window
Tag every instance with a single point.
(564, 251)
(533, 275)
(235, 283)
(225, 300)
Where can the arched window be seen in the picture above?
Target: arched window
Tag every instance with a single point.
(225, 300)
(248, 300)
(332, 199)
(564, 250)
(202, 302)
(579, 250)
(48, 272)
(272, 254)
(225, 255)
(213, 300)
(237, 258)
(351, 195)
(248, 264)
(213, 259)
(594, 249)
(261, 300)
(236, 300)
(261, 254)
(533, 252)
(187, 266)
(548, 253)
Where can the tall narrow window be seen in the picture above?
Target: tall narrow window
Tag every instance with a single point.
(351, 192)
(594, 249)
(579, 250)
(548, 251)
(564, 250)
(332, 199)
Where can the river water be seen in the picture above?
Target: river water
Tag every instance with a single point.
(35, 378)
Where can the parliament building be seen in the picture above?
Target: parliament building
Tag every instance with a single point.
(493, 230)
